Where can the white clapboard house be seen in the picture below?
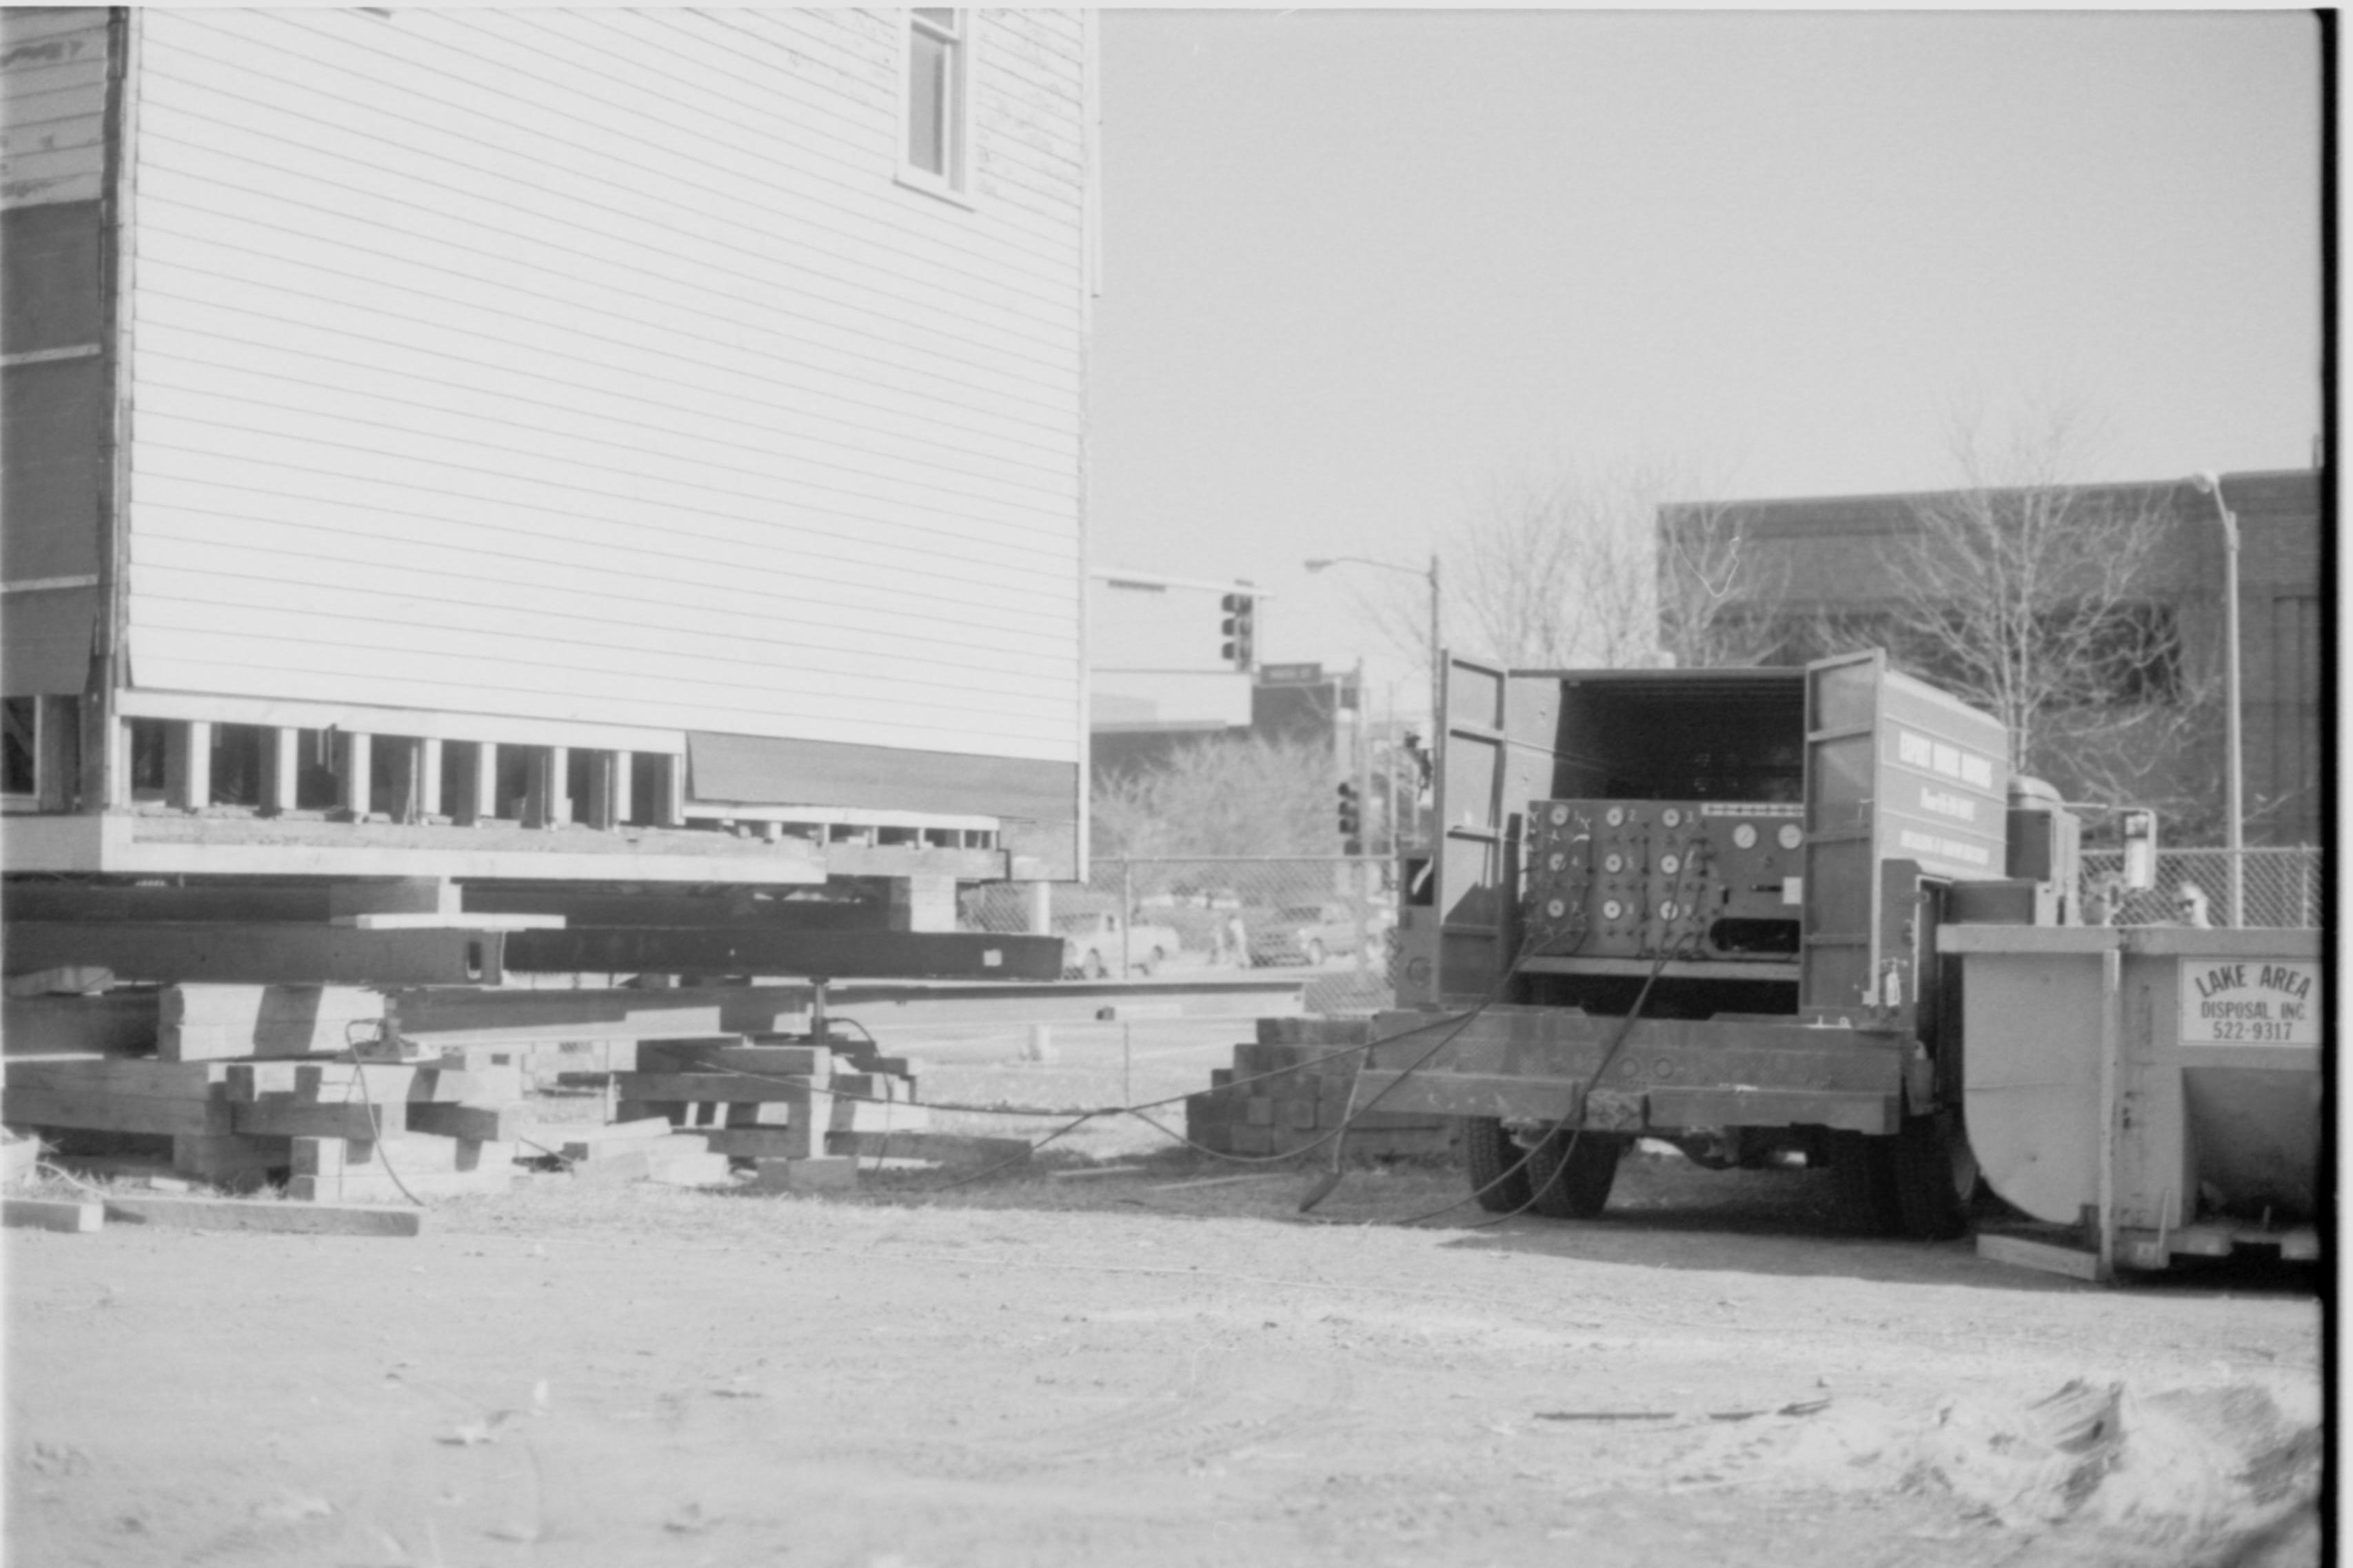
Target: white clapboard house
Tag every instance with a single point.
(589, 445)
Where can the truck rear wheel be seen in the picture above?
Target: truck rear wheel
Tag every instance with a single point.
(1571, 1172)
(1489, 1153)
(1934, 1175)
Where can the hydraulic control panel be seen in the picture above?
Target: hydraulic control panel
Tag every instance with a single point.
(1645, 879)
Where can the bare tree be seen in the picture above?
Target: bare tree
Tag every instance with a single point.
(1557, 572)
(1723, 599)
(1239, 795)
(2035, 598)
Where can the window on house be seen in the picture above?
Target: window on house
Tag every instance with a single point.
(938, 113)
(18, 746)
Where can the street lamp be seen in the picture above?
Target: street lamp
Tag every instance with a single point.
(1437, 673)
(2208, 483)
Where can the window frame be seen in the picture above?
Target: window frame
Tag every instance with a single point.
(953, 183)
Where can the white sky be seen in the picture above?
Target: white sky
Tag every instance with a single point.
(1360, 264)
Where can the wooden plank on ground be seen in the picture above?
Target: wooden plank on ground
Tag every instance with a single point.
(51, 1214)
(263, 1215)
(99, 1111)
(281, 1116)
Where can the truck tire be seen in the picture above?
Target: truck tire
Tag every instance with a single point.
(1489, 1153)
(1865, 1183)
(1934, 1176)
(1571, 1172)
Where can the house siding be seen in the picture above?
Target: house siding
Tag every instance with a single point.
(594, 366)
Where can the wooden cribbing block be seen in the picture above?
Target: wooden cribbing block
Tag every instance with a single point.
(115, 1023)
(218, 1156)
(670, 1142)
(338, 1083)
(51, 1214)
(832, 1114)
(241, 1213)
(706, 1088)
(730, 1051)
(607, 1133)
(822, 1173)
(479, 1086)
(756, 1142)
(871, 1086)
(283, 1116)
(147, 1079)
(940, 1148)
(875, 1116)
(101, 1110)
(473, 1122)
(201, 1022)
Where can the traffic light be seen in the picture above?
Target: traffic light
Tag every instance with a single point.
(1240, 609)
(1352, 821)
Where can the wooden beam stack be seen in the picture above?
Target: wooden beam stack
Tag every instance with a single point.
(245, 1091)
(1291, 1089)
(754, 1098)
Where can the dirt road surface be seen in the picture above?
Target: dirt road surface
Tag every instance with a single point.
(1147, 1368)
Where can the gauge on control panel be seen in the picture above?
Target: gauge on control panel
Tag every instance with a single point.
(1560, 817)
(1556, 860)
(1671, 818)
(1613, 862)
(1557, 909)
(1670, 910)
(1791, 836)
(1611, 908)
(1744, 836)
(1670, 864)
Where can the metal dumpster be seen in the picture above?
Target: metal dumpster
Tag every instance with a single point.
(2158, 1088)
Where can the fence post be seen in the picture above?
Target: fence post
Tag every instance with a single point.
(1126, 916)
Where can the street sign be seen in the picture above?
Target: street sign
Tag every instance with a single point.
(1291, 675)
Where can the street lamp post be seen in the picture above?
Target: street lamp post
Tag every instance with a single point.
(2208, 483)
(1437, 673)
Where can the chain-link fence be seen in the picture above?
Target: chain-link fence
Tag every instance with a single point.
(2272, 886)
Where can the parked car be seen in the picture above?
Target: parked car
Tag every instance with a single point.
(1091, 945)
(1303, 933)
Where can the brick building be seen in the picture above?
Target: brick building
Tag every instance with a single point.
(1815, 574)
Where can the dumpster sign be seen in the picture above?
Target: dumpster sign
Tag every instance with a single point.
(2270, 1001)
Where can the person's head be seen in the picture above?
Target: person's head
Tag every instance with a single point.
(2189, 904)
